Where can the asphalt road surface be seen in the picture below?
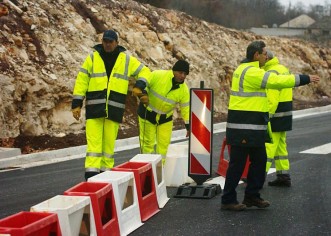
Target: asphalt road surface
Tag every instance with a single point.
(303, 209)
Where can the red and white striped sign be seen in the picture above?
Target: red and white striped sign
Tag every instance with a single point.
(201, 126)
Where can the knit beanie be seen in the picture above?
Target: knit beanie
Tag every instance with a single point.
(181, 65)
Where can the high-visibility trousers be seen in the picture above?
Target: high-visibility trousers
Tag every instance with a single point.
(155, 138)
(277, 151)
(101, 135)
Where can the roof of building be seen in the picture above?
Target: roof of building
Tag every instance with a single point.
(302, 21)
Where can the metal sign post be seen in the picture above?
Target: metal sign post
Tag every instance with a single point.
(200, 145)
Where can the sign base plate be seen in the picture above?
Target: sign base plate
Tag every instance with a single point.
(204, 191)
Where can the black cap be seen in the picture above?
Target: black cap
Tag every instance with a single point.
(181, 65)
(110, 35)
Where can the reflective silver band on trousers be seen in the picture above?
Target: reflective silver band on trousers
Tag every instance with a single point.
(246, 126)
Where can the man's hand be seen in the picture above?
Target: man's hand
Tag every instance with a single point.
(314, 78)
(76, 113)
(187, 133)
(144, 99)
(137, 92)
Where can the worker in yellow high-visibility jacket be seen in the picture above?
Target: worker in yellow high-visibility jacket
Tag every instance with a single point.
(247, 125)
(166, 90)
(280, 111)
(103, 82)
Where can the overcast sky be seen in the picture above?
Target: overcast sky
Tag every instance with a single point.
(305, 2)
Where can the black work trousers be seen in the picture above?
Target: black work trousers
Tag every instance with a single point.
(255, 176)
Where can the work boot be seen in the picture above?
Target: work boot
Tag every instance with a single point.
(233, 207)
(255, 201)
(281, 181)
(90, 174)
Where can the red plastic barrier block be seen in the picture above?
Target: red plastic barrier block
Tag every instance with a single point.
(146, 192)
(103, 204)
(224, 164)
(31, 224)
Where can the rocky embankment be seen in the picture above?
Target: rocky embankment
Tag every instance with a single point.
(44, 42)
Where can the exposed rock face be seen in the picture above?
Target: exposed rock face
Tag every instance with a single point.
(44, 43)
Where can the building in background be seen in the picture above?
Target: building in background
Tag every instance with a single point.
(297, 26)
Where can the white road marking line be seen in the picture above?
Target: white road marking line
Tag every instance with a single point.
(221, 180)
(323, 149)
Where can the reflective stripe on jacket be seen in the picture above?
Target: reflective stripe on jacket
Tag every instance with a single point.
(280, 101)
(106, 97)
(248, 112)
(163, 99)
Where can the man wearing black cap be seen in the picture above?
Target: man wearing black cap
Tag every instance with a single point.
(165, 91)
(103, 81)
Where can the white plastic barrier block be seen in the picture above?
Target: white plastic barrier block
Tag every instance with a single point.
(158, 172)
(74, 212)
(176, 165)
(126, 199)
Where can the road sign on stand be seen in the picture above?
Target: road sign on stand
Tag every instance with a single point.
(200, 146)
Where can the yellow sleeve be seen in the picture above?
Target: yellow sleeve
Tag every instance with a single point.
(273, 100)
(185, 105)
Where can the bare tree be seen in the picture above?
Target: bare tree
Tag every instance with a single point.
(238, 14)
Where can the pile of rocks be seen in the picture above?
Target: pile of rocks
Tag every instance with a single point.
(44, 43)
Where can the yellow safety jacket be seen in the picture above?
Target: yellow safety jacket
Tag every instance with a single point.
(163, 98)
(105, 97)
(248, 112)
(280, 101)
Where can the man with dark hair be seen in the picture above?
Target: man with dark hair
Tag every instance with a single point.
(103, 82)
(247, 125)
(166, 89)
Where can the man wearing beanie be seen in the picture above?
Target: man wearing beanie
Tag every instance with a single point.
(102, 82)
(165, 92)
